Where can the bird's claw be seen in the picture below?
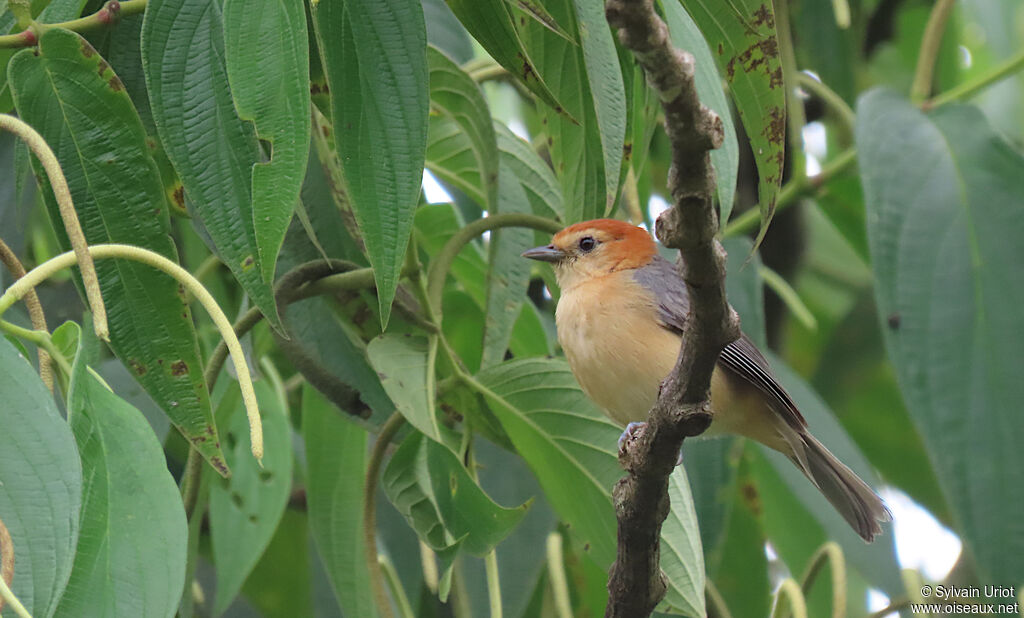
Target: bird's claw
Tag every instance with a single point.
(629, 434)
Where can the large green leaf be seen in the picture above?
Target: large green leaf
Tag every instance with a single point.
(533, 172)
(374, 56)
(40, 485)
(406, 370)
(570, 446)
(212, 149)
(945, 218)
(455, 95)
(492, 25)
(428, 484)
(130, 559)
(445, 32)
(509, 274)
(586, 149)
(70, 95)
(686, 35)
(747, 51)
(335, 477)
(267, 57)
(245, 509)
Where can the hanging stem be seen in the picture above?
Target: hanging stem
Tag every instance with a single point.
(929, 52)
(62, 193)
(387, 433)
(556, 576)
(831, 553)
(182, 276)
(35, 311)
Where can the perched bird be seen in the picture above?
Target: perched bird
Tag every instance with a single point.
(619, 319)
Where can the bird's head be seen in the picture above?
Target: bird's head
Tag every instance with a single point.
(594, 249)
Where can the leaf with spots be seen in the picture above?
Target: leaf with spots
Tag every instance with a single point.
(267, 57)
(212, 149)
(72, 97)
(125, 565)
(746, 49)
(245, 509)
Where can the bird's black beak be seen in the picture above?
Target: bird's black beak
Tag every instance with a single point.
(544, 254)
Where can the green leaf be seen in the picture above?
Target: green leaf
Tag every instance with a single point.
(509, 274)
(747, 52)
(944, 197)
(455, 95)
(571, 448)
(491, 24)
(41, 492)
(125, 564)
(281, 585)
(686, 35)
(212, 149)
(534, 174)
(406, 370)
(875, 561)
(267, 57)
(374, 56)
(335, 478)
(70, 95)
(586, 153)
(428, 484)
(245, 509)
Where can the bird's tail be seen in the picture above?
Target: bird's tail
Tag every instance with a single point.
(851, 496)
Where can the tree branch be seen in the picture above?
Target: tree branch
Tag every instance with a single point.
(636, 584)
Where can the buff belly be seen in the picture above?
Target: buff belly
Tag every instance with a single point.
(620, 354)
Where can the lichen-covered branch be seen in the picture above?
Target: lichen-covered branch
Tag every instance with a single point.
(636, 584)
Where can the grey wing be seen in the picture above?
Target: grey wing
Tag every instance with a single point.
(741, 357)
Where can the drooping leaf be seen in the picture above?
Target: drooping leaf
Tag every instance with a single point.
(509, 274)
(747, 51)
(945, 215)
(212, 149)
(374, 56)
(335, 476)
(80, 107)
(686, 35)
(267, 57)
(455, 95)
(491, 24)
(405, 368)
(40, 485)
(586, 148)
(433, 490)
(570, 446)
(246, 509)
(533, 173)
(130, 559)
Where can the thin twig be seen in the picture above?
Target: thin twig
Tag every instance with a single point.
(35, 311)
(62, 193)
(636, 585)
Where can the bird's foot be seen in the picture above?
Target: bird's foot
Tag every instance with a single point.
(629, 434)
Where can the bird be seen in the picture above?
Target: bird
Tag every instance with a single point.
(619, 319)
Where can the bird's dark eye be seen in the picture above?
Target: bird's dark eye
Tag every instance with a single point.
(587, 243)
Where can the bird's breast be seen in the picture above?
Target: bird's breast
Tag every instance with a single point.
(609, 331)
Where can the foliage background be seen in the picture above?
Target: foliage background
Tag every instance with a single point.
(886, 286)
